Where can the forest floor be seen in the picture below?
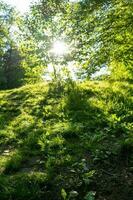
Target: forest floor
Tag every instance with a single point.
(70, 142)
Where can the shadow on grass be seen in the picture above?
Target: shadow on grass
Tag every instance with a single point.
(65, 129)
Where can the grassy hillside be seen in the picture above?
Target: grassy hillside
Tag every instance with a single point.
(74, 143)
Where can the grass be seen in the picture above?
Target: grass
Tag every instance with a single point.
(74, 144)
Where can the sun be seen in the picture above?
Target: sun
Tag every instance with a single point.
(59, 48)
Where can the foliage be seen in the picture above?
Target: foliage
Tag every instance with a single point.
(66, 139)
(19, 61)
(90, 196)
(101, 33)
(10, 72)
(97, 33)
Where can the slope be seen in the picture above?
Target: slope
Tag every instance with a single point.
(72, 142)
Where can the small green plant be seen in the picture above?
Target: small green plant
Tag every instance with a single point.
(90, 196)
(68, 196)
(88, 176)
(63, 194)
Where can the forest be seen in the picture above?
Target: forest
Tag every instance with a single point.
(66, 104)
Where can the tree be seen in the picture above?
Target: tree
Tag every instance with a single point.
(44, 26)
(20, 63)
(11, 74)
(98, 32)
(102, 33)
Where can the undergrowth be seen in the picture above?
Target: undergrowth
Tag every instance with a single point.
(72, 143)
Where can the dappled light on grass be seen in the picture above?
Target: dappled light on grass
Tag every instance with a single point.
(68, 138)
